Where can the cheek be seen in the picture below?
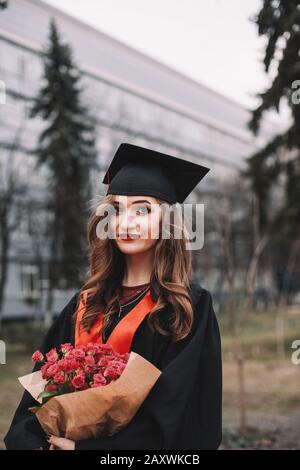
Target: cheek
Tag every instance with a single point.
(113, 224)
(149, 227)
(154, 227)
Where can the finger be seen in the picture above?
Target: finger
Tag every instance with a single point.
(54, 440)
(57, 442)
(55, 447)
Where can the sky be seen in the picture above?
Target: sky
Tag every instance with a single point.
(213, 42)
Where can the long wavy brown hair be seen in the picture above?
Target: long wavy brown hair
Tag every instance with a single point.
(169, 282)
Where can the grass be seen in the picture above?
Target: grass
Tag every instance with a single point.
(259, 337)
(270, 388)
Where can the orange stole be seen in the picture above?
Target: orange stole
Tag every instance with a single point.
(121, 337)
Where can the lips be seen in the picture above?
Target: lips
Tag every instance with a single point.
(131, 236)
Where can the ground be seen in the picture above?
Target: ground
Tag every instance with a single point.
(273, 406)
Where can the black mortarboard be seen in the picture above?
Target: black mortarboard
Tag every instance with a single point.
(137, 171)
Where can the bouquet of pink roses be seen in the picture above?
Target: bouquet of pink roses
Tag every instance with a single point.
(88, 391)
(73, 369)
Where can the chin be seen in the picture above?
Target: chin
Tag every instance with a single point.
(133, 247)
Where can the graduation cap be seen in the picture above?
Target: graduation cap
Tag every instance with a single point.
(137, 171)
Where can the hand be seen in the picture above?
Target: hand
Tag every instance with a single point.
(60, 443)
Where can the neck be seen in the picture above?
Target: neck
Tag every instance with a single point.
(138, 268)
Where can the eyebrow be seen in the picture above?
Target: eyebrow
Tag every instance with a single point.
(134, 202)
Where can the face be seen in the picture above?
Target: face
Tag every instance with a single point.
(136, 223)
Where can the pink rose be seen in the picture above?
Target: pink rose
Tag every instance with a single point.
(78, 381)
(66, 347)
(99, 380)
(52, 355)
(52, 370)
(89, 364)
(37, 356)
(59, 378)
(93, 348)
(78, 354)
(116, 363)
(67, 365)
(120, 367)
(44, 369)
(63, 364)
(89, 360)
(104, 361)
(111, 373)
(125, 356)
(106, 349)
(72, 364)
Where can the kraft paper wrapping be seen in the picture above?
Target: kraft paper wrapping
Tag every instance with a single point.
(100, 411)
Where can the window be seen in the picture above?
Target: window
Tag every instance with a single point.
(30, 282)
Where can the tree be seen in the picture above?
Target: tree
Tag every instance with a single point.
(67, 148)
(3, 4)
(278, 163)
(12, 190)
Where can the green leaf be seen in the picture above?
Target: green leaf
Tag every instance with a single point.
(47, 394)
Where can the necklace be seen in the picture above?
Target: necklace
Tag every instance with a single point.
(131, 301)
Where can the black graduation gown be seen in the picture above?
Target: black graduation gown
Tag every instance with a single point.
(184, 408)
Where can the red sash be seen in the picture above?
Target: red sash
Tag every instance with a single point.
(121, 337)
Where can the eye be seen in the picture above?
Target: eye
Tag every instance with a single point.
(143, 210)
(140, 210)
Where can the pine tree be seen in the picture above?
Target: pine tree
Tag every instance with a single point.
(279, 161)
(279, 22)
(67, 148)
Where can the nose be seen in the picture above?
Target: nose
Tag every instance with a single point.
(127, 222)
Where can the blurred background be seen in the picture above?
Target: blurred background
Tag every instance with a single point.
(216, 83)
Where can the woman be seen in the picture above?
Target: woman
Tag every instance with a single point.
(141, 266)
